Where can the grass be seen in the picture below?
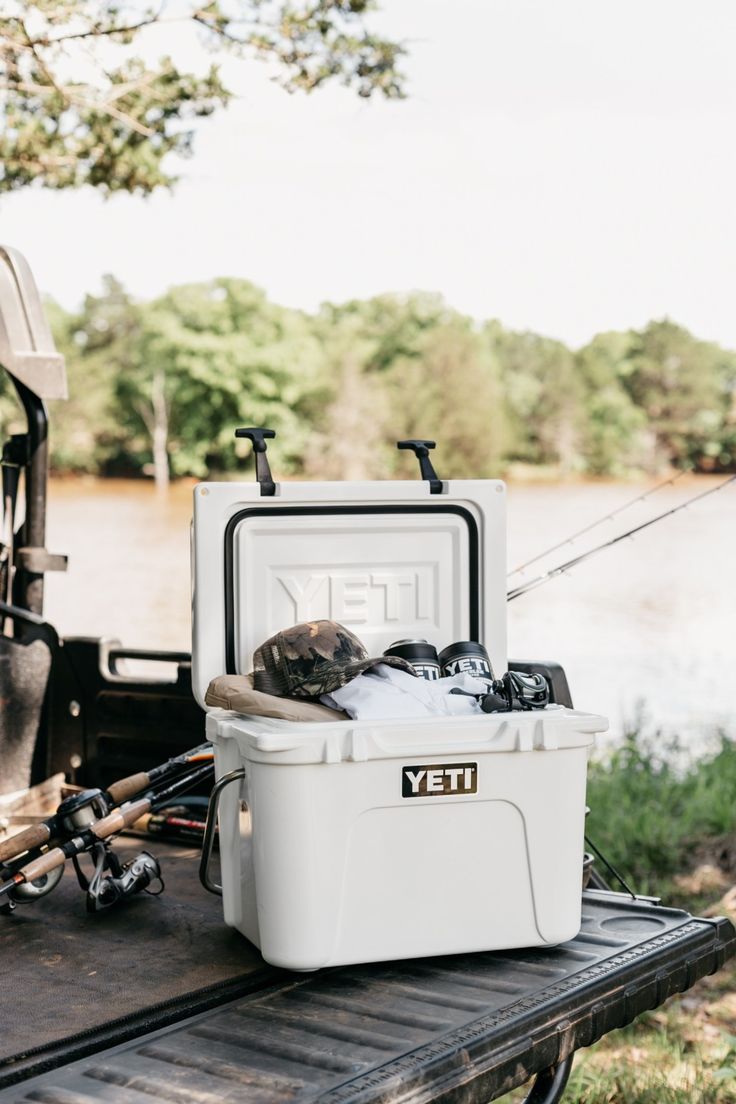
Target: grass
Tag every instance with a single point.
(655, 813)
(668, 823)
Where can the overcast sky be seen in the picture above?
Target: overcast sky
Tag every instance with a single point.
(565, 166)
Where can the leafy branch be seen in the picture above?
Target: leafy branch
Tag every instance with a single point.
(114, 128)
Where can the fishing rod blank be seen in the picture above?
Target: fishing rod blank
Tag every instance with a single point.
(554, 572)
(594, 524)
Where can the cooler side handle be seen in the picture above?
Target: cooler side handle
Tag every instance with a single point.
(209, 831)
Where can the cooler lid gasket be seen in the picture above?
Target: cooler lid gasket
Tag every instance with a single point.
(382, 509)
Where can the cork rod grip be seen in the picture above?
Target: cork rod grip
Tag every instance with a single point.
(24, 841)
(43, 864)
(120, 818)
(127, 787)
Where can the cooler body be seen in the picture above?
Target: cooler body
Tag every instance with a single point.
(387, 841)
(356, 841)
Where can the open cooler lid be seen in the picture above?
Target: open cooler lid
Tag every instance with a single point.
(390, 560)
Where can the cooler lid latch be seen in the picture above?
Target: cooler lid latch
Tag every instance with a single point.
(263, 470)
(427, 472)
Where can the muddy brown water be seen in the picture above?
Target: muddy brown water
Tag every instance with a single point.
(652, 620)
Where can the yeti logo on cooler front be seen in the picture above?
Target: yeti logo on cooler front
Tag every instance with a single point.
(439, 780)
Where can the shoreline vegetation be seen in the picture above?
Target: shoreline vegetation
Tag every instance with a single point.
(158, 387)
(668, 823)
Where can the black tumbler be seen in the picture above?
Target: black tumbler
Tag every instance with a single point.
(466, 657)
(422, 656)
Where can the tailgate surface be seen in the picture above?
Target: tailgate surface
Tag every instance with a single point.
(420, 1030)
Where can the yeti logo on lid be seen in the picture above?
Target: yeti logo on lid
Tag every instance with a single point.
(439, 780)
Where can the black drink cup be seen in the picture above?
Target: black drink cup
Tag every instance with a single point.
(466, 657)
(422, 656)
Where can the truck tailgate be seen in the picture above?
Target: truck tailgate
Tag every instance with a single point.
(421, 1030)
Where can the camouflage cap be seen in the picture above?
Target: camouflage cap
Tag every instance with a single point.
(312, 659)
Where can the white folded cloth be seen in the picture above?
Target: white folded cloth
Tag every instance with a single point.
(384, 692)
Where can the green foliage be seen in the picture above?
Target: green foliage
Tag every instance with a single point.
(655, 814)
(401, 366)
(453, 386)
(649, 810)
(79, 107)
(86, 433)
(614, 435)
(194, 364)
(649, 1066)
(544, 397)
(160, 386)
(684, 387)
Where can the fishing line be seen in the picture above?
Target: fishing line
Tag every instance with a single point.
(532, 584)
(594, 524)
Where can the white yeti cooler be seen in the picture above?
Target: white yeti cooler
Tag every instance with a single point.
(358, 841)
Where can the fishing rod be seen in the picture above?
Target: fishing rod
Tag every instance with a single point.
(554, 572)
(71, 813)
(37, 877)
(81, 828)
(594, 524)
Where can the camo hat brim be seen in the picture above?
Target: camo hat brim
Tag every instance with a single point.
(312, 659)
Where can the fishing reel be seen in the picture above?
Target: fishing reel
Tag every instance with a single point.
(516, 691)
(113, 881)
(32, 861)
(31, 891)
(80, 810)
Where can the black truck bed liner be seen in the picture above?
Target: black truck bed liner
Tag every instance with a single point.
(423, 1030)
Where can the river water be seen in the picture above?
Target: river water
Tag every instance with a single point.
(650, 621)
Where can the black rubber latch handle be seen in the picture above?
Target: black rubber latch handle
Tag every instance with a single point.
(421, 451)
(263, 470)
(16, 451)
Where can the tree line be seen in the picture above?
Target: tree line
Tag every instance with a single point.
(158, 388)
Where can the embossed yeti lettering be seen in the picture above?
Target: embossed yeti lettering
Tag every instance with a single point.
(357, 597)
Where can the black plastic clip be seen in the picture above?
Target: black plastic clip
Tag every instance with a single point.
(421, 451)
(263, 470)
(16, 451)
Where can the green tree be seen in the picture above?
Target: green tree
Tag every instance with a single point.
(206, 359)
(80, 105)
(544, 397)
(159, 387)
(348, 433)
(615, 436)
(684, 387)
(452, 391)
(406, 366)
(87, 429)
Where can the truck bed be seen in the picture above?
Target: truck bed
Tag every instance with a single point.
(160, 1002)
